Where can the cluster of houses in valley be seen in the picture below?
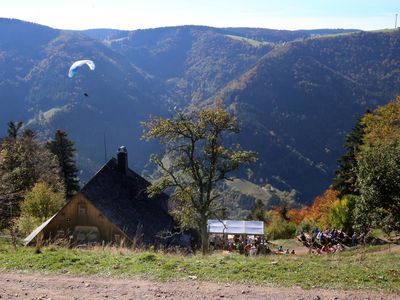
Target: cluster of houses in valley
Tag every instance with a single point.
(113, 207)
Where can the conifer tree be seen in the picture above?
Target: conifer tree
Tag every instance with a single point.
(64, 149)
(24, 161)
(346, 174)
(13, 129)
(258, 212)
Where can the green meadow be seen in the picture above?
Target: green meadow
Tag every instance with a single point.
(372, 268)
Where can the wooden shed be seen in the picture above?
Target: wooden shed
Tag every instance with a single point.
(112, 206)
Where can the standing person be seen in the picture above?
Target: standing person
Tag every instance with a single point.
(16, 232)
(247, 249)
(315, 230)
(354, 239)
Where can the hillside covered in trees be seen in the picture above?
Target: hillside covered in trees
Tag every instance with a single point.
(296, 93)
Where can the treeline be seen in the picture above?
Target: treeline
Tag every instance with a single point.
(365, 193)
(36, 177)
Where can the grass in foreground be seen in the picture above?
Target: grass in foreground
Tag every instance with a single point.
(357, 269)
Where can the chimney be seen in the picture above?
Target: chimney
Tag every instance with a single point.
(122, 157)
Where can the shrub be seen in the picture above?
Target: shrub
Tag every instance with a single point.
(40, 203)
(147, 257)
(280, 229)
(27, 224)
(341, 213)
(305, 226)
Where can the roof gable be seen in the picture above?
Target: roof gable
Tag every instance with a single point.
(60, 214)
(123, 199)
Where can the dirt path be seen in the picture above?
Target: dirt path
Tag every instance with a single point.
(36, 286)
(393, 248)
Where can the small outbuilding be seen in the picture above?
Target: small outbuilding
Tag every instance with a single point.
(112, 207)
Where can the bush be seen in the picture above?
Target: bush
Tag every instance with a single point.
(27, 224)
(379, 186)
(40, 203)
(341, 213)
(305, 226)
(280, 229)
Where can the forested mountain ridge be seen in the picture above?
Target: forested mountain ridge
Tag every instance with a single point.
(197, 61)
(296, 93)
(299, 101)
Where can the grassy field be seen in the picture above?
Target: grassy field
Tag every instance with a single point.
(251, 42)
(367, 268)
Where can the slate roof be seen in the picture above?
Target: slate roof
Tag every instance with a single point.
(122, 198)
(37, 230)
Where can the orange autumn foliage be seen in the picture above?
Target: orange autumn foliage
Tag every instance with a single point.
(317, 213)
(297, 215)
(319, 210)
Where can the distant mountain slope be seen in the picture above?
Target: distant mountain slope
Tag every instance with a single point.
(194, 61)
(104, 33)
(197, 61)
(296, 93)
(280, 36)
(299, 101)
(20, 49)
(35, 88)
(240, 196)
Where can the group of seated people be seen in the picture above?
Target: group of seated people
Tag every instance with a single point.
(249, 246)
(282, 251)
(327, 241)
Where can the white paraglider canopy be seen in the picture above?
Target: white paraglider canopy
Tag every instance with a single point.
(76, 65)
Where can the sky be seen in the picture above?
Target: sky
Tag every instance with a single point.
(135, 14)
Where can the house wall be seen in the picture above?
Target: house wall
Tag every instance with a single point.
(78, 217)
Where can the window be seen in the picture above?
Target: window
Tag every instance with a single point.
(81, 209)
(86, 234)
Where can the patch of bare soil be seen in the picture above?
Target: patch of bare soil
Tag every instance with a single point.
(393, 248)
(37, 286)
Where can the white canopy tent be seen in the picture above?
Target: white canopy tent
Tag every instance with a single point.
(235, 227)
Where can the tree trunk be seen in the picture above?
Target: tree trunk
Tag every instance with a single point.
(204, 236)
